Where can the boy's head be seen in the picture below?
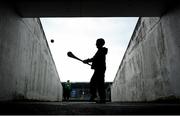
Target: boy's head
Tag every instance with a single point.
(100, 42)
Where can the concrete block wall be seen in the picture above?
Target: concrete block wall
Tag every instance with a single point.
(27, 69)
(150, 68)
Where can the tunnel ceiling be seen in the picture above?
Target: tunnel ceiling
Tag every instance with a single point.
(92, 8)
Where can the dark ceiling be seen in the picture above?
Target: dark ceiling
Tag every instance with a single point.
(92, 8)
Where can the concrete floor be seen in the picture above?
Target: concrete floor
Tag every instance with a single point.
(87, 108)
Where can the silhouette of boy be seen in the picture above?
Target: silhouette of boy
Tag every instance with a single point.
(99, 66)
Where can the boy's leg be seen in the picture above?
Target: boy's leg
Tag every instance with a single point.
(93, 88)
(101, 91)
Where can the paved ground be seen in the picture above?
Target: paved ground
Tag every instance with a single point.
(87, 108)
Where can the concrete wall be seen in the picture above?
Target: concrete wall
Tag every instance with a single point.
(27, 69)
(150, 68)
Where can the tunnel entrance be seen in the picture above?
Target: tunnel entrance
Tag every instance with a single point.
(79, 36)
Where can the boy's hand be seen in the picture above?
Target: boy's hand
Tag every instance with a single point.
(85, 61)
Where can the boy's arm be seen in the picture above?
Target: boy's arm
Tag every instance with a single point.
(88, 60)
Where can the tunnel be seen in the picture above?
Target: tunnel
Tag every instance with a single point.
(149, 70)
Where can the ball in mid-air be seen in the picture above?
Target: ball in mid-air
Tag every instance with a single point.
(52, 40)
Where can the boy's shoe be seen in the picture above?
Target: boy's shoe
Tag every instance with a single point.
(101, 102)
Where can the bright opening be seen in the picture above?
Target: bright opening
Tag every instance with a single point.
(79, 36)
